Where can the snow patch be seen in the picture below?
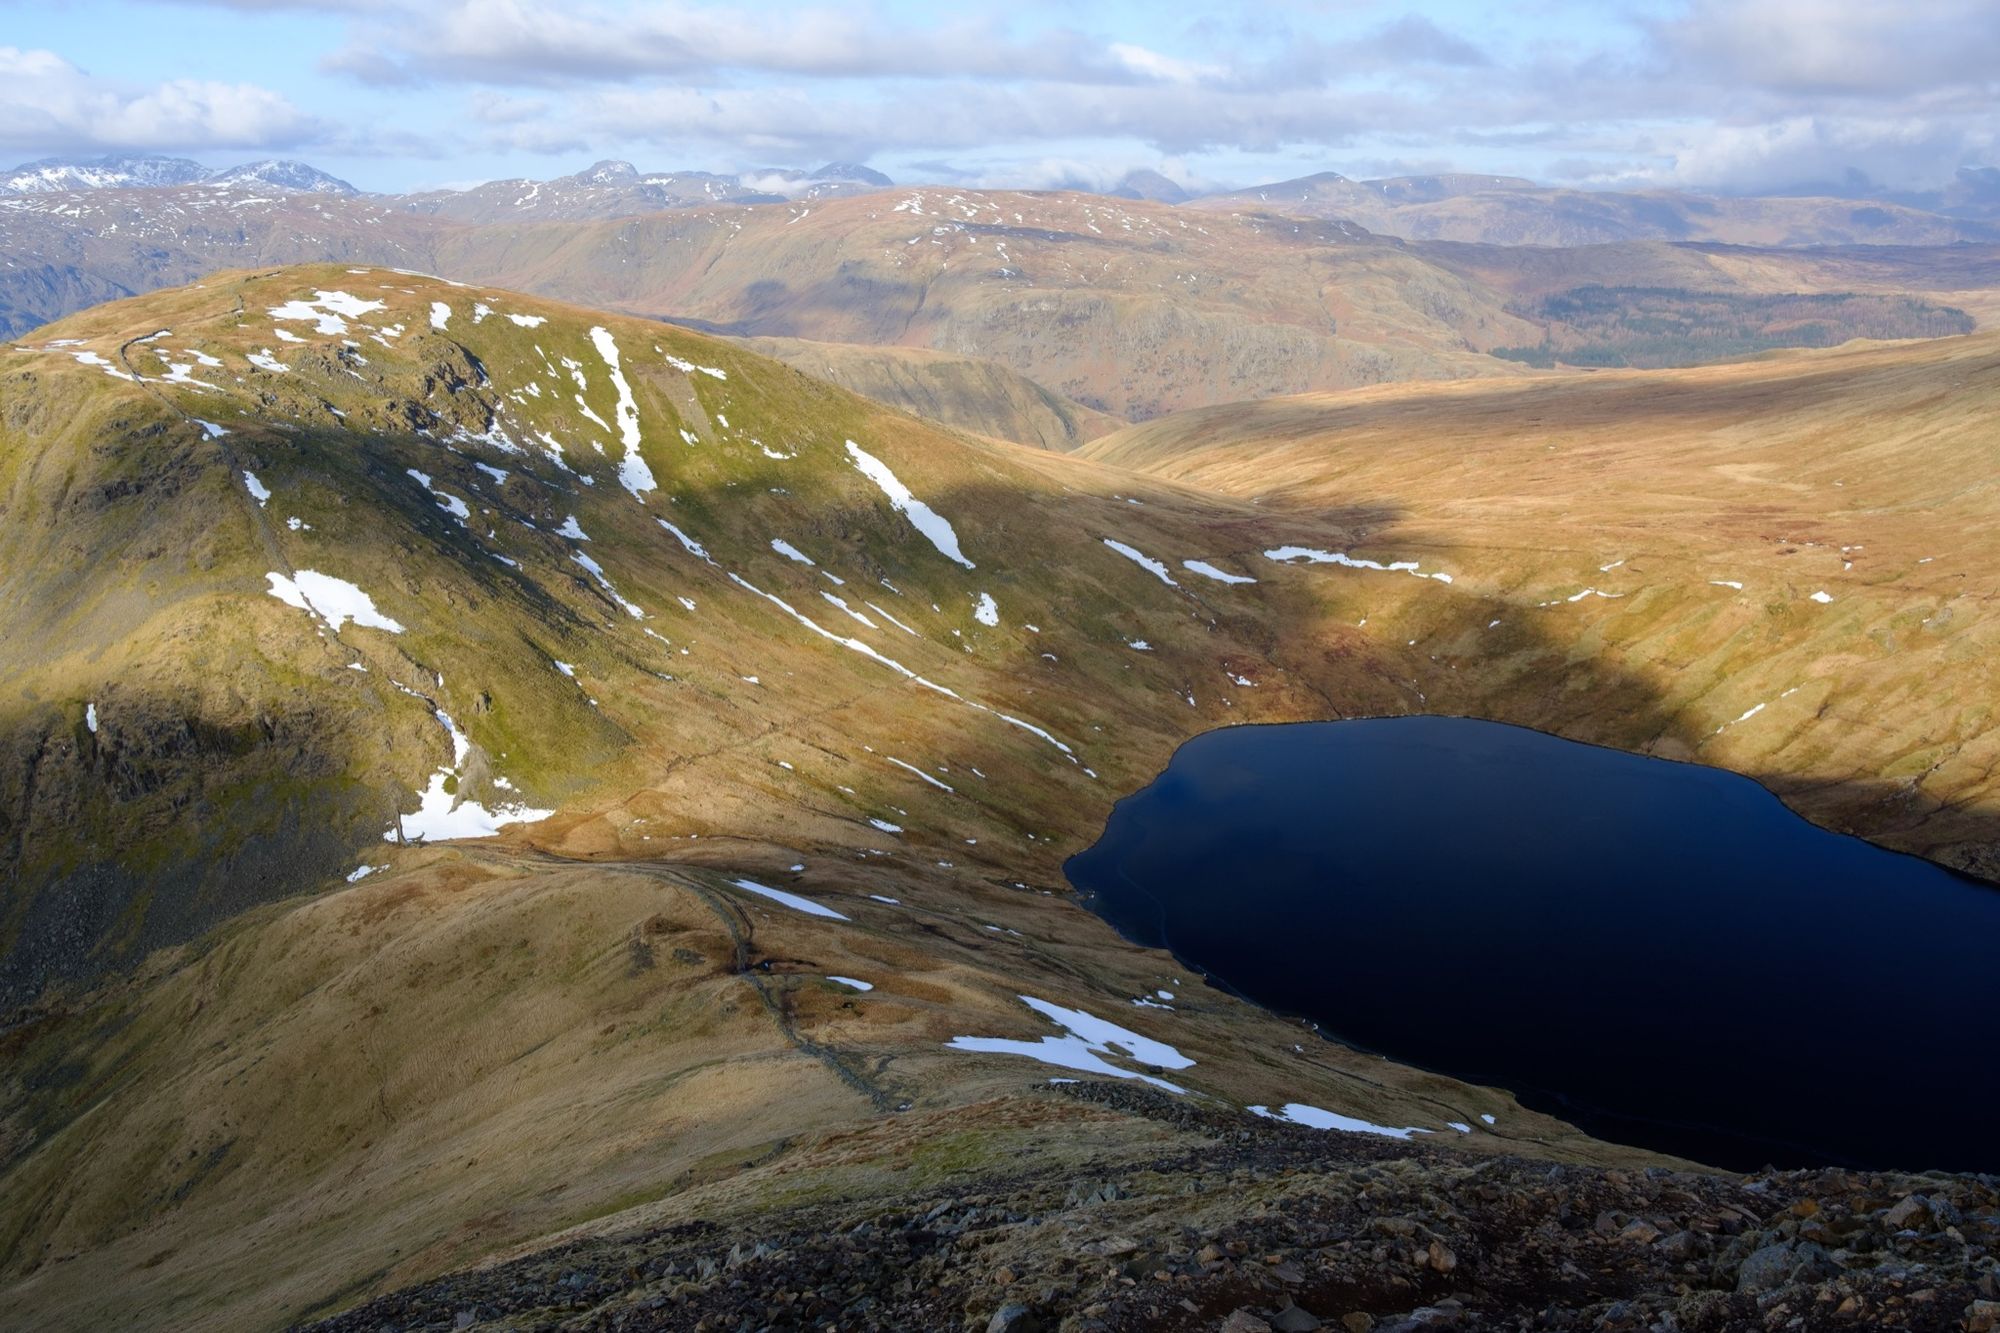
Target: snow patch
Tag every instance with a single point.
(1287, 554)
(597, 572)
(446, 501)
(1208, 571)
(856, 645)
(1144, 561)
(693, 547)
(690, 368)
(926, 520)
(1298, 1113)
(1748, 713)
(912, 768)
(93, 359)
(892, 620)
(1086, 1041)
(335, 601)
(791, 900)
(441, 817)
(633, 474)
(849, 611)
(791, 552)
(325, 311)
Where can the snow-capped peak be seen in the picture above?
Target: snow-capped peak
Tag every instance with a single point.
(117, 171)
(54, 175)
(283, 174)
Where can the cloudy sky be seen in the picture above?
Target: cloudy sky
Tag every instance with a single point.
(1731, 95)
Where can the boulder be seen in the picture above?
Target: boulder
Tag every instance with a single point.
(1782, 1264)
(1011, 1318)
(1681, 1246)
(1913, 1213)
(1242, 1321)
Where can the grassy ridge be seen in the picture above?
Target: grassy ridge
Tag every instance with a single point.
(581, 1020)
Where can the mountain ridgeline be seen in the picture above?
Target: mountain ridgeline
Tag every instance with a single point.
(58, 175)
(482, 775)
(1125, 307)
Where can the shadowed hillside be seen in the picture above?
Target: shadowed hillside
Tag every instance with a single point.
(965, 392)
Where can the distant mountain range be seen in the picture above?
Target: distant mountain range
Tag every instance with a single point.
(605, 189)
(1126, 308)
(1479, 209)
(1507, 210)
(56, 175)
(619, 189)
(1047, 317)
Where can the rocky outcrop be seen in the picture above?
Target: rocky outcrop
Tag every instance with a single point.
(1249, 1228)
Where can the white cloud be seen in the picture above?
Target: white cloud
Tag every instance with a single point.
(1859, 48)
(535, 42)
(1895, 151)
(810, 122)
(48, 104)
(1739, 95)
(1163, 68)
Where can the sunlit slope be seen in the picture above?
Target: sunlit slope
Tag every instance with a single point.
(1129, 307)
(1793, 558)
(296, 560)
(740, 632)
(305, 565)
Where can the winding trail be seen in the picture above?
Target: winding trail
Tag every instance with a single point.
(883, 1095)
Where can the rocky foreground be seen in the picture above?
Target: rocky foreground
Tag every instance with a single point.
(1269, 1226)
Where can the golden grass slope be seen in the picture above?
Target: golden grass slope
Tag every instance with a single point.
(459, 1045)
(1847, 493)
(585, 1019)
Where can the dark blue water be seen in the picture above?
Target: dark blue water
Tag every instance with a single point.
(1660, 953)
